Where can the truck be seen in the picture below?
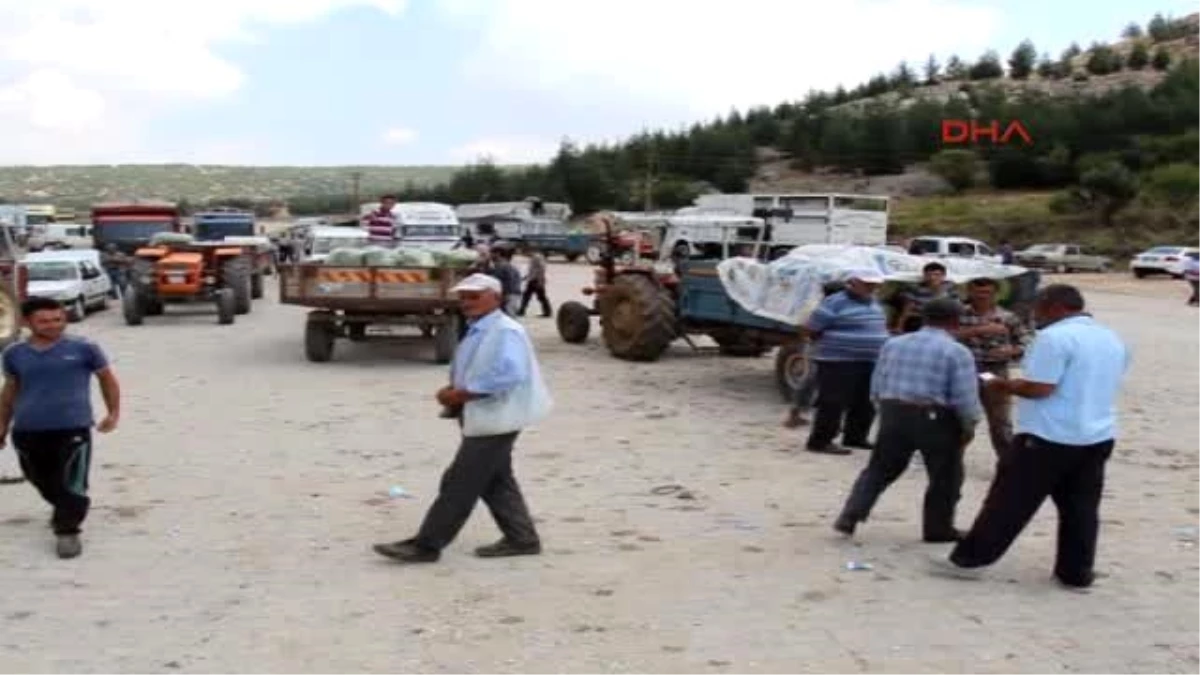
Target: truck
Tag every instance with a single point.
(369, 303)
(237, 227)
(530, 225)
(799, 219)
(427, 225)
(130, 225)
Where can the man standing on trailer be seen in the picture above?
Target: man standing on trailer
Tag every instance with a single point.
(381, 223)
(46, 401)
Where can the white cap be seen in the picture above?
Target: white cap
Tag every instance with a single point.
(479, 282)
(866, 275)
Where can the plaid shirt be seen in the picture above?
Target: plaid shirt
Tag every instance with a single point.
(928, 366)
(1018, 334)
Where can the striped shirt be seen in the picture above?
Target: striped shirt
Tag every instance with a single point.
(850, 329)
(381, 225)
(928, 366)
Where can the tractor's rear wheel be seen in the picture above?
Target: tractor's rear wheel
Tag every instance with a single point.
(226, 306)
(637, 318)
(574, 321)
(235, 277)
(133, 305)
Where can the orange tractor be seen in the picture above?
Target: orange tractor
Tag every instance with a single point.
(172, 269)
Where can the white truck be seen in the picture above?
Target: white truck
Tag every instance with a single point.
(801, 219)
(427, 225)
(952, 247)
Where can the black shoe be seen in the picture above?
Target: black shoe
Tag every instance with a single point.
(407, 551)
(952, 537)
(831, 449)
(860, 445)
(68, 546)
(845, 525)
(505, 548)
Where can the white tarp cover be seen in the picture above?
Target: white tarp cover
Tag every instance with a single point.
(789, 288)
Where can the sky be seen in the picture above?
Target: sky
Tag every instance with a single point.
(395, 82)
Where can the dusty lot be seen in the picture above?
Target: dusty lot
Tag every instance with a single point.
(235, 508)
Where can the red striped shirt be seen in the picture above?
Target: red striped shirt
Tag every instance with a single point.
(381, 225)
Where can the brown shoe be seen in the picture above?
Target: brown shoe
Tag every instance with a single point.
(407, 551)
(505, 548)
(68, 546)
(831, 449)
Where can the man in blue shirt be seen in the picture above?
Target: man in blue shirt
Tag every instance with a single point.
(926, 387)
(46, 403)
(1066, 426)
(494, 367)
(848, 328)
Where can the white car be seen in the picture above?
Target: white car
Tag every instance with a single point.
(1161, 260)
(71, 277)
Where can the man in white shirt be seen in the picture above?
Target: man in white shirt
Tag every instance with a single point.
(1066, 426)
(496, 391)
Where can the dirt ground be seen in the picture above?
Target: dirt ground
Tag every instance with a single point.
(235, 509)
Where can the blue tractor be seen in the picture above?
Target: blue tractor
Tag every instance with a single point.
(237, 226)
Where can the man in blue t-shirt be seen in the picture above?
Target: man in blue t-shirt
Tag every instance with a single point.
(1066, 429)
(848, 329)
(46, 403)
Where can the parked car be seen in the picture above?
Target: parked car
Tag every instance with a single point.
(952, 247)
(74, 278)
(1160, 260)
(1062, 258)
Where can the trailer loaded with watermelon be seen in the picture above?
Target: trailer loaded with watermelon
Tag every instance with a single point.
(374, 294)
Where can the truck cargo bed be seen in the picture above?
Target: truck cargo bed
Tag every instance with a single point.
(384, 290)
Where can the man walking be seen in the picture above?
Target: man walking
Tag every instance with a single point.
(1066, 425)
(496, 391)
(995, 337)
(46, 401)
(848, 327)
(925, 386)
(535, 284)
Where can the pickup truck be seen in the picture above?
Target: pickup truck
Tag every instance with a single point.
(1061, 258)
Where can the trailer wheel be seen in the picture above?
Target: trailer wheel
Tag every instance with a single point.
(133, 306)
(235, 276)
(792, 367)
(319, 337)
(445, 339)
(226, 306)
(574, 321)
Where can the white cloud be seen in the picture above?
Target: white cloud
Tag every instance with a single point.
(103, 67)
(399, 136)
(506, 150)
(706, 57)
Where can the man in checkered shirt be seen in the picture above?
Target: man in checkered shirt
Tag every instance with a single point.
(996, 338)
(925, 385)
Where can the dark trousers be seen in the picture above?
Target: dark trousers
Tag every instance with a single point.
(997, 407)
(1071, 475)
(1195, 297)
(905, 429)
(482, 469)
(535, 288)
(57, 464)
(843, 395)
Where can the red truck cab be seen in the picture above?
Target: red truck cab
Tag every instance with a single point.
(130, 225)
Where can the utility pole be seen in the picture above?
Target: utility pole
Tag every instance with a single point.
(651, 167)
(355, 197)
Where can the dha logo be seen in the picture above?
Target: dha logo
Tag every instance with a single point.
(972, 132)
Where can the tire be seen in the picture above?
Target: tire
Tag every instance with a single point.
(226, 306)
(1061, 269)
(235, 276)
(77, 310)
(256, 286)
(133, 306)
(736, 343)
(637, 318)
(574, 322)
(445, 339)
(594, 254)
(791, 365)
(319, 337)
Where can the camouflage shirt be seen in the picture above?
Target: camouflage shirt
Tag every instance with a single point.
(1018, 334)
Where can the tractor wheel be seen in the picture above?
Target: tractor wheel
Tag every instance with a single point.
(256, 286)
(10, 319)
(445, 339)
(319, 337)
(637, 319)
(574, 321)
(791, 368)
(226, 306)
(736, 343)
(133, 305)
(235, 276)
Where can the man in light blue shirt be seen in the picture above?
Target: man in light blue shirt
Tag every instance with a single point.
(1066, 426)
(495, 389)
